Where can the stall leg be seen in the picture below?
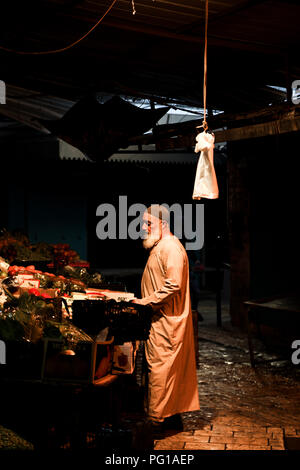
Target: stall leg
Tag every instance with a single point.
(250, 344)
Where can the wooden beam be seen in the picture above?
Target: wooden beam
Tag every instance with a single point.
(224, 14)
(279, 126)
(217, 41)
(179, 135)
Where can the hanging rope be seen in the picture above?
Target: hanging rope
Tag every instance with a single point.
(63, 48)
(133, 7)
(205, 66)
(204, 123)
(206, 184)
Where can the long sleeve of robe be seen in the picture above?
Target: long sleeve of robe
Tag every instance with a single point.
(170, 348)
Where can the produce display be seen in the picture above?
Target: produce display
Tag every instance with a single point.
(63, 255)
(45, 280)
(33, 315)
(82, 274)
(68, 314)
(14, 246)
(17, 247)
(32, 303)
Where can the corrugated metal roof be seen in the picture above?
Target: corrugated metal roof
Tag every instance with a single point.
(158, 52)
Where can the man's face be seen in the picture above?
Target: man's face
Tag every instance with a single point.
(152, 227)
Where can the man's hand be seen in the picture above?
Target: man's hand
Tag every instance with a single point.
(137, 301)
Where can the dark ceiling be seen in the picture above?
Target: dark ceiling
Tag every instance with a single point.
(158, 52)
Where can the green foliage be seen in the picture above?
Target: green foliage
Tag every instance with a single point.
(11, 329)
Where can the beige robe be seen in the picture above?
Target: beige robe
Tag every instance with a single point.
(169, 350)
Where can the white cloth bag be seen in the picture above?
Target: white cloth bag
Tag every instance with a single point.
(206, 184)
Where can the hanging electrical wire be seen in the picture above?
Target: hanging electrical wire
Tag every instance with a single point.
(63, 48)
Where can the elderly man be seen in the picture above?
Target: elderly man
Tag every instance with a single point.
(172, 381)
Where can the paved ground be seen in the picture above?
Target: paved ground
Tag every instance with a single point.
(225, 435)
(241, 408)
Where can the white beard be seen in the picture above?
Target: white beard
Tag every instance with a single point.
(149, 242)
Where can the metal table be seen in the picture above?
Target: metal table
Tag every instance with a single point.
(289, 304)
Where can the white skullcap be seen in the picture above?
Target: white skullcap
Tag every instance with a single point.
(160, 212)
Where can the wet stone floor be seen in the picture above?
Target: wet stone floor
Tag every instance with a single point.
(242, 408)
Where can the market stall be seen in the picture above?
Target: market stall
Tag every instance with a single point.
(68, 335)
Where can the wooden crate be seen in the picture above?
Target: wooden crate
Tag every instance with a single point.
(86, 363)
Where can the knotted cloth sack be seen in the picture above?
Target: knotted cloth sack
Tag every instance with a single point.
(206, 184)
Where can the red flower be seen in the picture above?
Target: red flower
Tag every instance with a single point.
(34, 291)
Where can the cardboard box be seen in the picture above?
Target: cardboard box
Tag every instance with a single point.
(87, 362)
(124, 358)
(27, 281)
